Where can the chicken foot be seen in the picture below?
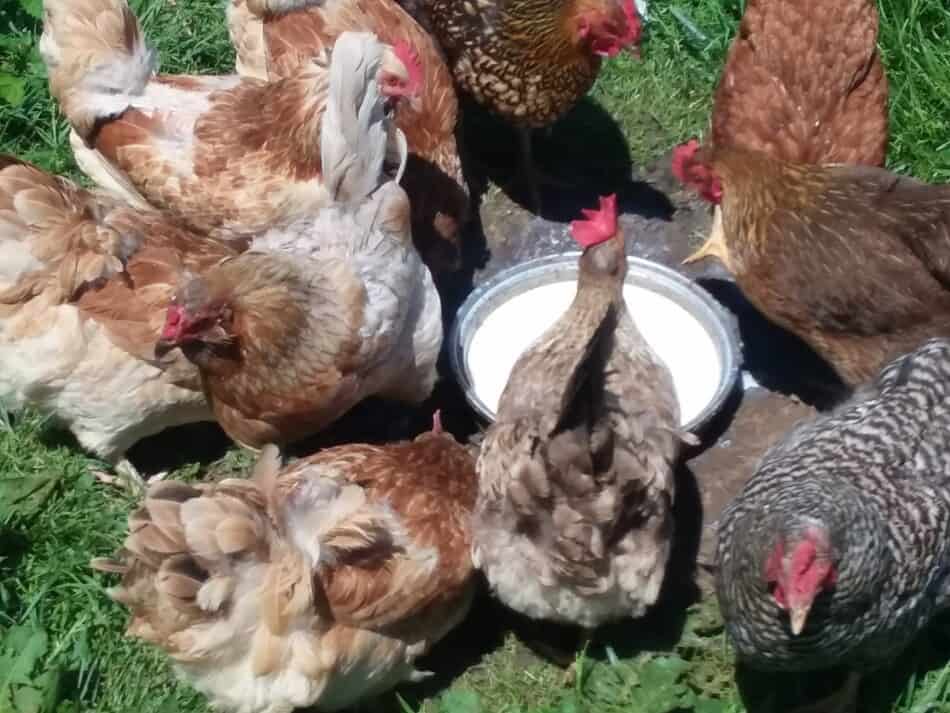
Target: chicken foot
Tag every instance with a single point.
(127, 476)
(715, 245)
(843, 700)
(573, 671)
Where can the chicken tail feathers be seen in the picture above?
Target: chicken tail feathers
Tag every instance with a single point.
(356, 133)
(53, 236)
(96, 56)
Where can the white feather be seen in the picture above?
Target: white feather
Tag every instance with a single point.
(354, 135)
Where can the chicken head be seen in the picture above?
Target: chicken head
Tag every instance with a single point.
(608, 28)
(401, 73)
(797, 571)
(195, 316)
(691, 170)
(598, 233)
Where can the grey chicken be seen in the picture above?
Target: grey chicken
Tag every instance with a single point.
(836, 552)
(573, 518)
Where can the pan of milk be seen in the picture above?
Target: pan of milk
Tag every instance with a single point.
(687, 329)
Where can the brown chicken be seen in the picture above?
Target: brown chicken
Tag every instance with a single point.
(84, 284)
(229, 156)
(574, 515)
(853, 259)
(529, 61)
(318, 584)
(275, 39)
(330, 309)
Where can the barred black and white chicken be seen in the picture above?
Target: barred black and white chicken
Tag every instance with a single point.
(836, 552)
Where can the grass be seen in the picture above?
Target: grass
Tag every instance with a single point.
(61, 643)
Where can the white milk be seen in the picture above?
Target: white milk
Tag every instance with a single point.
(676, 337)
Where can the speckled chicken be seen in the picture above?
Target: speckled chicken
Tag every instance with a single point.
(529, 61)
(274, 40)
(573, 520)
(229, 156)
(837, 551)
(338, 307)
(318, 584)
(84, 283)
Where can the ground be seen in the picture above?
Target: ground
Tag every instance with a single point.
(61, 643)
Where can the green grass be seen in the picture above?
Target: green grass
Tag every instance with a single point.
(61, 643)
(664, 98)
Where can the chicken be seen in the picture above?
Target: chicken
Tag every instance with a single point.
(837, 551)
(573, 518)
(229, 156)
(84, 283)
(325, 311)
(849, 257)
(275, 39)
(530, 62)
(852, 259)
(318, 584)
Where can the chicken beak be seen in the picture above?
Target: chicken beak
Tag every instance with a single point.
(715, 245)
(797, 616)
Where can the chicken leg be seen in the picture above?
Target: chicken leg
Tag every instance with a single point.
(530, 176)
(843, 700)
(573, 673)
(127, 477)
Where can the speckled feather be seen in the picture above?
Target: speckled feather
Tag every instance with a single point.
(804, 82)
(318, 584)
(573, 521)
(876, 472)
(515, 56)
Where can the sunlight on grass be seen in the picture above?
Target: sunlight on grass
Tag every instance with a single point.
(63, 636)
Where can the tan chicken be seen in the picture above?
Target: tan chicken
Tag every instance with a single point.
(573, 520)
(318, 584)
(84, 283)
(529, 61)
(229, 156)
(335, 308)
(274, 40)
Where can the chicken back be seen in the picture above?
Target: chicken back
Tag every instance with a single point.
(274, 40)
(573, 520)
(229, 156)
(837, 550)
(318, 584)
(528, 61)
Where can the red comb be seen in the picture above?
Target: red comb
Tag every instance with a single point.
(174, 320)
(634, 26)
(598, 225)
(410, 58)
(683, 156)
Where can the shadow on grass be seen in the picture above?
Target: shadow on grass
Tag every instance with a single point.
(176, 447)
(879, 693)
(586, 149)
